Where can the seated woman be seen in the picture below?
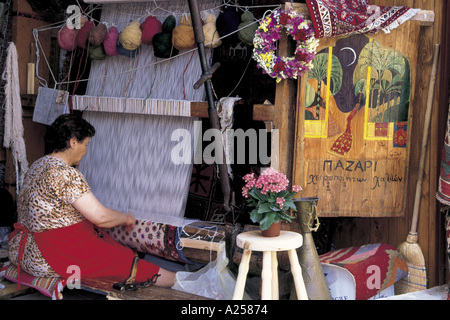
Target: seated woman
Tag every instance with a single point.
(60, 220)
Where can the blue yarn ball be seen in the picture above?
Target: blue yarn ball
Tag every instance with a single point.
(125, 52)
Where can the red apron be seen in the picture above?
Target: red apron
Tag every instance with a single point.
(95, 253)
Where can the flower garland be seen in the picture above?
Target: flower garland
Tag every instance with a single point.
(269, 32)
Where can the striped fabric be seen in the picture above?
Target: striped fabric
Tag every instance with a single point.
(50, 287)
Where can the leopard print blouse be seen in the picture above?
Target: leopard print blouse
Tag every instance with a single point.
(45, 202)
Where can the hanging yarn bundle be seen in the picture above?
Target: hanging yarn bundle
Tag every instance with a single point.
(212, 38)
(97, 34)
(83, 33)
(96, 52)
(125, 52)
(131, 36)
(227, 23)
(67, 38)
(183, 37)
(14, 129)
(110, 42)
(162, 42)
(149, 28)
(247, 28)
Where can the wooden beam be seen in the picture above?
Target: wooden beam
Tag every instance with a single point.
(426, 18)
(199, 109)
(104, 286)
(10, 290)
(263, 112)
(201, 244)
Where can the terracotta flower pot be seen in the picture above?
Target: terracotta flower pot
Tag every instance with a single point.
(273, 231)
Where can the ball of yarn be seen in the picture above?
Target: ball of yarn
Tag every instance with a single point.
(125, 52)
(83, 20)
(110, 42)
(247, 28)
(96, 52)
(131, 36)
(183, 37)
(97, 34)
(227, 23)
(67, 38)
(169, 24)
(83, 33)
(162, 45)
(162, 42)
(149, 28)
(212, 38)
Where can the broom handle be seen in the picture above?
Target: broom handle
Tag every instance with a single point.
(426, 130)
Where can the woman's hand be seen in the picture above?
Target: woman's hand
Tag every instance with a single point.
(130, 221)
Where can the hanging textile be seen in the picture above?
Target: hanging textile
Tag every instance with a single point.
(13, 137)
(443, 193)
(226, 125)
(338, 17)
(50, 103)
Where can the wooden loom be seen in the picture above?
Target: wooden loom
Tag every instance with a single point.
(207, 242)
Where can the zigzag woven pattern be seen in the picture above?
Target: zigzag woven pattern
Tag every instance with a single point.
(364, 262)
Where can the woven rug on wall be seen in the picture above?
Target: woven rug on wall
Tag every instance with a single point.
(345, 17)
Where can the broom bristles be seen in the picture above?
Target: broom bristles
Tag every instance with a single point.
(416, 280)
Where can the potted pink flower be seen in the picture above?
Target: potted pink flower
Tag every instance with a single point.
(270, 198)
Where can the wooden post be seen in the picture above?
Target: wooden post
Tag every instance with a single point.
(284, 117)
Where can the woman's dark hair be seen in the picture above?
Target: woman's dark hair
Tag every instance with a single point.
(63, 129)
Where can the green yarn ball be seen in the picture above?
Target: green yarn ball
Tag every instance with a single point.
(162, 45)
(247, 34)
(169, 24)
(162, 42)
(96, 52)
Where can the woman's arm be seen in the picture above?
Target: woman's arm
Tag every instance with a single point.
(92, 209)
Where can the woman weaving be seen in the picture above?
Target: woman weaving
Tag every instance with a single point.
(60, 220)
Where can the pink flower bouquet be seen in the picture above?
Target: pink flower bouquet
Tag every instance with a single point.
(269, 196)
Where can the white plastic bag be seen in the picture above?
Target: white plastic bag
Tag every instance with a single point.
(214, 281)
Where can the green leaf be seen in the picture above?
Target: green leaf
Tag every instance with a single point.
(274, 207)
(289, 204)
(255, 216)
(264, 208)
(267, 221)
(282, 194)
(258, 195)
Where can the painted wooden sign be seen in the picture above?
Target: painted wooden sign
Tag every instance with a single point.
(353, 125)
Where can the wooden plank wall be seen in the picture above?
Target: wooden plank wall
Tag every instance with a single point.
(359, 231)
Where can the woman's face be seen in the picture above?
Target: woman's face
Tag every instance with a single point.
(79, 150)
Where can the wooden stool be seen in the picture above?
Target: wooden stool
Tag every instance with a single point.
(254, 241)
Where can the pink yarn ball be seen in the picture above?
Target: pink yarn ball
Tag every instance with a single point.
(83, 34)
(150, 27)
(110, 42)
(67, 38)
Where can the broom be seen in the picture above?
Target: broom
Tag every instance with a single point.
(416, 279)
